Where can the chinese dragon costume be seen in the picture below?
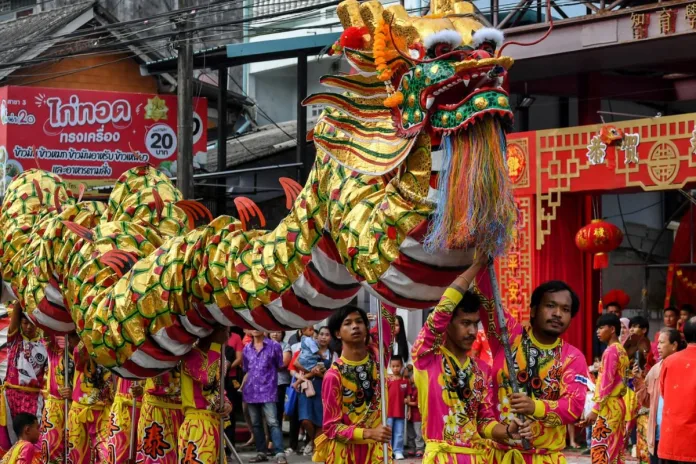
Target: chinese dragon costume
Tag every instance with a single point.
(141, 280)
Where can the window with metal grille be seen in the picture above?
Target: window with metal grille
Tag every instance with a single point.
(315, 110)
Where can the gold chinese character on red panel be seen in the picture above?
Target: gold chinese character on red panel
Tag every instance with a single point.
(513, 262)
(596, 151)
(629, 145)
(513, 292)
(667, 21)
(691, 15)
(640, 21)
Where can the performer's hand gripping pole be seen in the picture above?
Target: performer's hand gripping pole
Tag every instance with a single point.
(382, 384)
(66, 401)
(504, 336)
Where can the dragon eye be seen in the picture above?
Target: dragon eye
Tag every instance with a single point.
(487, 47)
(442, 48)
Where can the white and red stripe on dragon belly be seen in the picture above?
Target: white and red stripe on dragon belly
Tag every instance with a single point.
(415, 280)
(50, 313)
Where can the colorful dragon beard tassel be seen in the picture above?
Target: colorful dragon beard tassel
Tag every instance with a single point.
(475, 206)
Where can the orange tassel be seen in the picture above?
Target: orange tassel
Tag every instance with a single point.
(394, 100)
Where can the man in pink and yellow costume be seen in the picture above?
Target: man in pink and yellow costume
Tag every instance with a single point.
(455, 394)
(552, 375)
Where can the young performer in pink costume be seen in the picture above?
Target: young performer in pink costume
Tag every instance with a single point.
(52, 422)
(454, 390)
(26, 363)
(200, 434)
(353, 431)
(118, 443)
(609, 413)
(160, 419)
(88, 420)
(552, 374)
(25, 451)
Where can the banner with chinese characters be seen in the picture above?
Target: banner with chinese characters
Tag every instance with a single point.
(643, 154)
(515, 269)
(90, 137)
(544, 166)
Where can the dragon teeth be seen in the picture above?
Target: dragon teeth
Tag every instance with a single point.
(429, 102)
(466, 82)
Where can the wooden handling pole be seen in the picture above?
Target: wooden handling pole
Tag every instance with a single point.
(66, 405)
(504, 336)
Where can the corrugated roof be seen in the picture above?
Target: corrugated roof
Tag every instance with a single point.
(27, 29)
(260, 143)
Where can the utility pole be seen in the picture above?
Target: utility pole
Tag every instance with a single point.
(184, 160)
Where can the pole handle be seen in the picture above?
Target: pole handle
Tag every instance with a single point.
(504, 336)
(222, 458)
(133, 431)
(66, 405)
(382, 384)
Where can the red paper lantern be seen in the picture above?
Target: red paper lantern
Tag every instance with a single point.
(599, 237)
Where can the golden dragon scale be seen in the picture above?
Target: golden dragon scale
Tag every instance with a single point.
(141, 280)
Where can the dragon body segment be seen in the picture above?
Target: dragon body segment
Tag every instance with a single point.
(143, 278)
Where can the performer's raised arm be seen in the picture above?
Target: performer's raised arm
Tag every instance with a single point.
(431, 335)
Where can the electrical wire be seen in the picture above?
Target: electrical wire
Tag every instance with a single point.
(216, 6)
(304, 13)
(634, 212)
(79, 33)
(623, 222)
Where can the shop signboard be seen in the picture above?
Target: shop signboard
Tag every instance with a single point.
(90, 137)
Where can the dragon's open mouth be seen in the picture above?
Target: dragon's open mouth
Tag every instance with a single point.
(476, 90)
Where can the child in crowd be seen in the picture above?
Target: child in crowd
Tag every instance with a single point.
(309, 350)
(685, 313)
(25, 451)
(414, 416)
(397, 387)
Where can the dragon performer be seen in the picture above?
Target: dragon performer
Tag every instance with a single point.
(146, 276)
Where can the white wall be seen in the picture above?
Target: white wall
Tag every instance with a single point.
(275, 90)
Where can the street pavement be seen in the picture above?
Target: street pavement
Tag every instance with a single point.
(573, 457)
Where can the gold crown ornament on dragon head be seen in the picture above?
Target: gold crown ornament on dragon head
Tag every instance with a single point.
(438, 76)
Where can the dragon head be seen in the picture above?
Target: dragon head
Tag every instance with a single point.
(440, 71)
(437, 79)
